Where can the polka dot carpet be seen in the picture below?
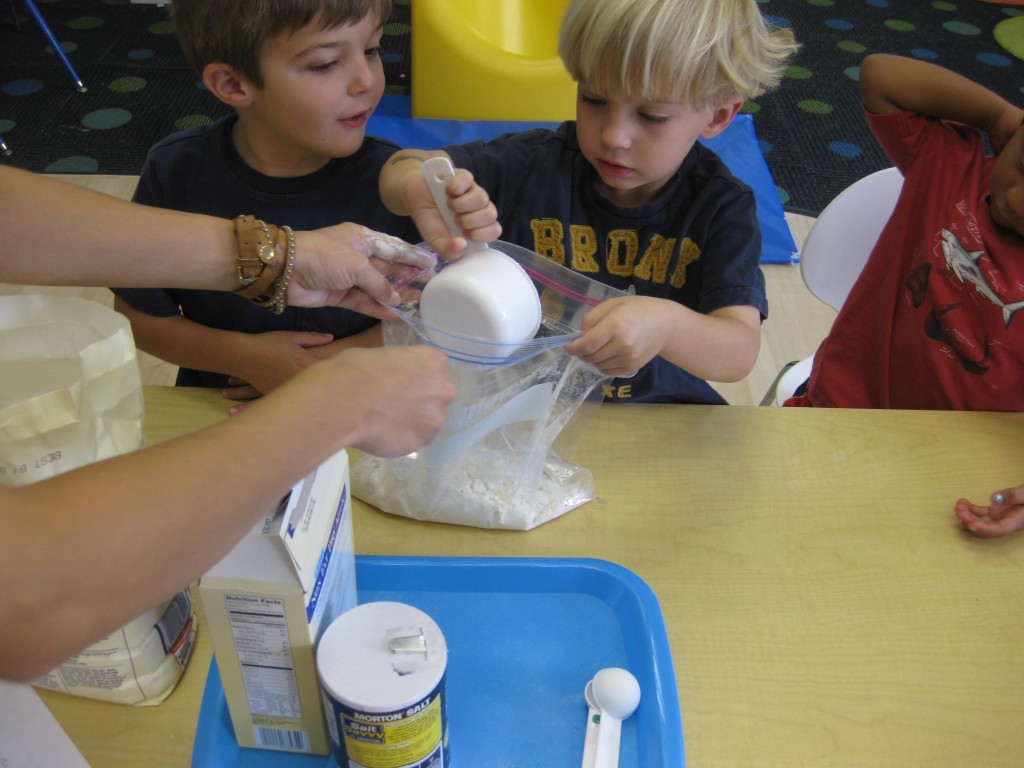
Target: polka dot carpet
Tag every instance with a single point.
(140, 88)
(812, 130)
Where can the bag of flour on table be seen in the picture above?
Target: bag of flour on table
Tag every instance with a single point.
(500, 461)
(71, 395)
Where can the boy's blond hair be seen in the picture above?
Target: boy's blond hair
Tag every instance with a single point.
(234, 32)
(701, 53)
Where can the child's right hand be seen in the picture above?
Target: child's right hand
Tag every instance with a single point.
(474, 213)
(404, 191)
(1009, 123)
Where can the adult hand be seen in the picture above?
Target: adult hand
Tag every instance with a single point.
(333, 268)
(388, 401)
(1003, 516)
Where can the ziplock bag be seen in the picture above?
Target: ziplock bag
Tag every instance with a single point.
(565, 297)
(498, 462)
(70, 395)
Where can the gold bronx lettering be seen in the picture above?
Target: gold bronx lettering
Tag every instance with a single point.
(623, 247)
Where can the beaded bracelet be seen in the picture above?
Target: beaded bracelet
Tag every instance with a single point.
(263, 275)
(279, 299)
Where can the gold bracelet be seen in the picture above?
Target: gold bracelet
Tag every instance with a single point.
(259, 260)
(279, 299)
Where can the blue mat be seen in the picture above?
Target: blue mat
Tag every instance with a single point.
(737, 146)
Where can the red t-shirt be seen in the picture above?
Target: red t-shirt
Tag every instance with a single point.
(931, 322)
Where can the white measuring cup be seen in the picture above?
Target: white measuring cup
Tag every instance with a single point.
(485, 295)
(612, 696)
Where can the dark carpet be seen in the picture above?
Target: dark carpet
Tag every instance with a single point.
(140, 88)
(812, 129)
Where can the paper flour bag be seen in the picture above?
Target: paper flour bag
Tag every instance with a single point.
(70, 395)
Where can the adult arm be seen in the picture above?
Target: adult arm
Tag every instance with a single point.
(86, 551)
(63, 234)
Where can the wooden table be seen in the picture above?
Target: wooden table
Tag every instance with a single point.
(823, 606)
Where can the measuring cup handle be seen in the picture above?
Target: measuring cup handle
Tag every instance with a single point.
(437, 172)
(590, 739)
(609, 734)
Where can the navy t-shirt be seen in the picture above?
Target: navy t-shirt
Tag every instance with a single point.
(199, 171)
(698, 243)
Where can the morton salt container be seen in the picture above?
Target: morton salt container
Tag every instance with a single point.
(382, 669)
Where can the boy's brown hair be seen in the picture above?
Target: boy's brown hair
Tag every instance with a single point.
(234, 31)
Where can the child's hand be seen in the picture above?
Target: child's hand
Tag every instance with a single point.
(241, 392)
(271, 359)
(1003, 516)
(622, 335)
(1009, 123)
(474, 213)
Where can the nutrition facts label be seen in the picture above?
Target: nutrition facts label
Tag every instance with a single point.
(264, 652)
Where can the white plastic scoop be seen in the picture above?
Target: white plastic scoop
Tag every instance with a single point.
(437, 172)
(483, 295)
(590, 734)
(614, 695)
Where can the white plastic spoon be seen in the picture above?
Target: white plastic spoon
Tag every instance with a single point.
(617, 695)
(437, 172)
(590, 734)
(484, 295)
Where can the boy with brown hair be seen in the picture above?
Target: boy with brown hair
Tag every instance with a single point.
(303, 78)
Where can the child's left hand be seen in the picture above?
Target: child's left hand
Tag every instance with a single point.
(1003, 516)
(622, 335)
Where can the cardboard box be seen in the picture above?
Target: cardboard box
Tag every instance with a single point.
(269, 600)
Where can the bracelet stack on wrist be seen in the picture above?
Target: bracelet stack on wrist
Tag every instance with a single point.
(278, 300)
(263, 269)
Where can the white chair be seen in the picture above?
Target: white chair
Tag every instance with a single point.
(836, 249)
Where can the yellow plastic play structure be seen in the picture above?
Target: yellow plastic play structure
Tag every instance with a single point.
(489, 60)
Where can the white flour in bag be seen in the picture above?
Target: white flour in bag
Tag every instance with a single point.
(495, 463)
(139, 664)
(474, 493)
(492, 467)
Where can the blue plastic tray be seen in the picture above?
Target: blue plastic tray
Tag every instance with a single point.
(524, 636)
